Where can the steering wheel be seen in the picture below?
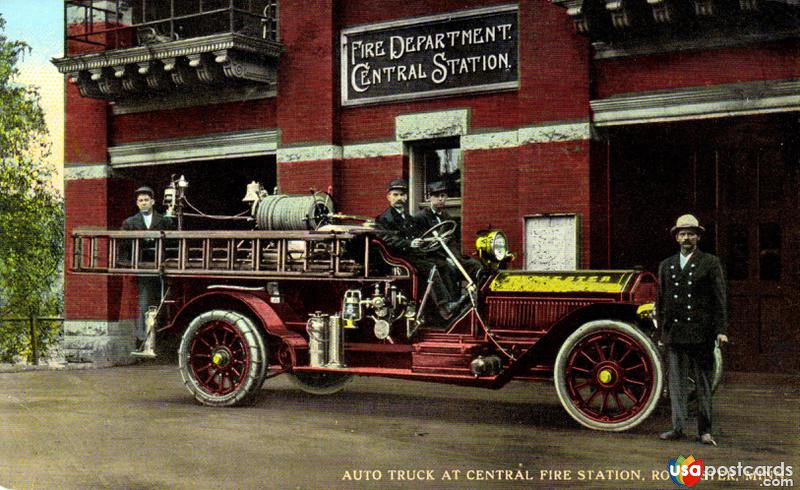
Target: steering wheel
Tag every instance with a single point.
(444, 230)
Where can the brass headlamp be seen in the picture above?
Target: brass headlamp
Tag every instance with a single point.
(492, 246)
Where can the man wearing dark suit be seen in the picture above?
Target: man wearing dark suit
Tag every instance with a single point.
(146, 219)
(692, 308)
(400, 233)
(436, 213)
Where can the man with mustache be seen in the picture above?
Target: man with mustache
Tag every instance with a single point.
(692, 310)
(400, 232)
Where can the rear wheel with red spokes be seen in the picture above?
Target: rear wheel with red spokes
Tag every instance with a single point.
(608, 375)
(222, 358)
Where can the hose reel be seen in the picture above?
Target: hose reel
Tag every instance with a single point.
(293, 212)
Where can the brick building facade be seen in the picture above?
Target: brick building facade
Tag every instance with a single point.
(613, 118)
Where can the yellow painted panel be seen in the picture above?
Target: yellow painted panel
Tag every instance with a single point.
(562, 282)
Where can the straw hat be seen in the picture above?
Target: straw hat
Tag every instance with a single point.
(685, 222)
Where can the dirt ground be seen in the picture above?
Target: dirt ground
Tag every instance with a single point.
(137, 427)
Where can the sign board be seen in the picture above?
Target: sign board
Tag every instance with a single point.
(551, 242)
(457, 53)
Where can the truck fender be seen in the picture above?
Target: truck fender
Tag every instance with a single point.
(546, 348)
(270, 321)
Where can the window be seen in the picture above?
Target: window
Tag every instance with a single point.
(436, 161)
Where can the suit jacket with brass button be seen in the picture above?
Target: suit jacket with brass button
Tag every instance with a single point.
(398, 230)
(692, 302)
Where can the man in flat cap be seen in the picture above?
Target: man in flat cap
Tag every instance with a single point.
(436, 213)
(692, 309)
(401, 234)
(146, 219)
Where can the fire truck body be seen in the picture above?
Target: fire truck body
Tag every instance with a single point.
(325, 305)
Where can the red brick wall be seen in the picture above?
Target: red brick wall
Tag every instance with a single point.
(194, 121)
(305, 177)
(364, 182)
(775, 61)
(491, 196)
(503, 186)
(85, 128)
(358, 185)
(97, 203)
(308, 74)
(555, 178)
(600, 206)
(369, 12)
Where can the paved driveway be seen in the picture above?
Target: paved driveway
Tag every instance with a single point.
(138, 428)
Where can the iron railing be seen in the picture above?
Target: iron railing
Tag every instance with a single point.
(121, 24)
(35, 325)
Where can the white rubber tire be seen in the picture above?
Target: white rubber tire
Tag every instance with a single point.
(321, 383)
(221, 385)
(643, 348)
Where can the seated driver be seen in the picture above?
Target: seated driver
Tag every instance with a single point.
(401, 234)
(437, 213)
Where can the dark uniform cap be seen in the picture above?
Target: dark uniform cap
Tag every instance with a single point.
(437, 187)
(398, 185)
(145, 190)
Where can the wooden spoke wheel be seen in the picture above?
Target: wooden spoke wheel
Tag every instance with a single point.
(608, 375)
(222, 358)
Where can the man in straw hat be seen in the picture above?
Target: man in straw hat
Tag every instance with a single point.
(692, 309)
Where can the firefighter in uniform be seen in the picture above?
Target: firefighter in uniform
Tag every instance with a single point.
(692, 307)
(401, 234)
(436, 213)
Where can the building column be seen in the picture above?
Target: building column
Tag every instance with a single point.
(99, 311)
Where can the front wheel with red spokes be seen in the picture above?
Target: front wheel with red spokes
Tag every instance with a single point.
(222, 358)
(608, 375)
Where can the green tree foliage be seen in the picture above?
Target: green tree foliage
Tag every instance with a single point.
(31, 208)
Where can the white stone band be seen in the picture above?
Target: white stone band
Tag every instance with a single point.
(428, 125)
(309, 153)
(484, 141)
(91, 171)
(371, 150)
(555, 132)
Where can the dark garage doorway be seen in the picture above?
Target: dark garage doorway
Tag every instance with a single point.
(741, 178)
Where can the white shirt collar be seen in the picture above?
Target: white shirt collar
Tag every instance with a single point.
(685, 259)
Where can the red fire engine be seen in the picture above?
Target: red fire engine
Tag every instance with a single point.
(323, 302)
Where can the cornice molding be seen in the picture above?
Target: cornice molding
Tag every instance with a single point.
(175, 68)
(208, 147)
(620, 28)
(215, 95)
(698, 103)
(172, 49)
